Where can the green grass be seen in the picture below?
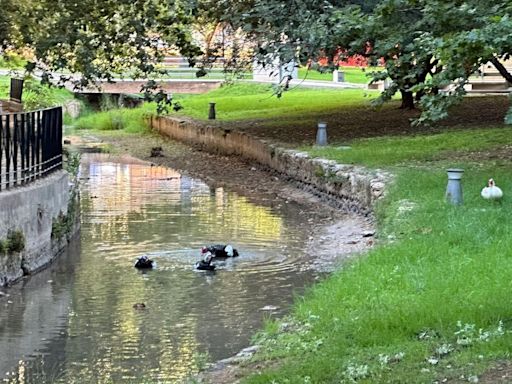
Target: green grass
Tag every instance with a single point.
(35, 95)
(128, 120)
(386, 151)
(4, 87)
(352, 74)
(445, 264)
(437, 287)
(255, 101)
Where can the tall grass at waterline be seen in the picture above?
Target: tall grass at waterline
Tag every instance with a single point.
(392, 150)
(129, 120)
(440, 265)
(255, 101)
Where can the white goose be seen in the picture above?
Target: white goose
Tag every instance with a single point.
(491, 192)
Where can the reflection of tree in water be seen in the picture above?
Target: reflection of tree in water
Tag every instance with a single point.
(180, 210)
(186, 312)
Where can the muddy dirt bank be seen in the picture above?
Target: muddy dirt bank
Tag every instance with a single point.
(333, 235)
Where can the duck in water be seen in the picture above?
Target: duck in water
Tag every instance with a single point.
(206, 263)
(220, 251)
(144, 262)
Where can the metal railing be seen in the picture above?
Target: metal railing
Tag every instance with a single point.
(30, 146)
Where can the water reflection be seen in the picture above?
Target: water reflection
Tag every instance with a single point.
(82, 326)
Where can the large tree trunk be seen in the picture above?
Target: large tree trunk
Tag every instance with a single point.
(407, 99)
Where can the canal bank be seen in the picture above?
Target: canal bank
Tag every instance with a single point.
(334, 235)
(347, 187)
(38, 221)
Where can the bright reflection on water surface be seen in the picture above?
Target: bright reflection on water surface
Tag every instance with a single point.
(75, 322)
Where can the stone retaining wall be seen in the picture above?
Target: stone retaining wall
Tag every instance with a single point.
(32, 209)
(354, 188)
(195, 86)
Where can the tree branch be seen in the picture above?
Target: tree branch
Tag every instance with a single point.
(501, 69)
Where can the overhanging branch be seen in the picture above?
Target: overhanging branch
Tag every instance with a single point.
(502, 70)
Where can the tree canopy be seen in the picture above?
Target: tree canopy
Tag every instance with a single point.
(97, 39)
(427, 45)
(429, 48)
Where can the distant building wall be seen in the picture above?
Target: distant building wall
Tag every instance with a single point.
(274, 73)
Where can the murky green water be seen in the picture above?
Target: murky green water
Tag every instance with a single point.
(75, 322)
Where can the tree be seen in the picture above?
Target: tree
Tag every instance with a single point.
(96, 40)
(427, 45)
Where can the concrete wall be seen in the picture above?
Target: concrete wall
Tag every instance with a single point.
(32, 210)
(354, 188)
(169, 86)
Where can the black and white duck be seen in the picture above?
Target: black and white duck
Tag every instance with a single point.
(144, 262)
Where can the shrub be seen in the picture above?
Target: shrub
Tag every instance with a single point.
(37, 96)
(15, 241)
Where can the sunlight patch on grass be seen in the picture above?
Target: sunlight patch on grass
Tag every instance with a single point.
(255, 101)
(358, 75)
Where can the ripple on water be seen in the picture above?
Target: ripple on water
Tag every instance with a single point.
(86, 316)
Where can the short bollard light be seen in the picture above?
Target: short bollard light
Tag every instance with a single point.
(211, 112)
(321, 134)
(454, 187)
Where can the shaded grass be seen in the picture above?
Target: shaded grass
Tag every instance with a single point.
(292, 119)
(446, 264)
(392, 150)
(255, 101)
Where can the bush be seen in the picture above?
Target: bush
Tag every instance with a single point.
(129, 120)
(37, 96)
(12, 60)
(15, 242)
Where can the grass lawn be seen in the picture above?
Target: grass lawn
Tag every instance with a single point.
(255, 101)
(392, 150)
(431, 302)
(352, 74)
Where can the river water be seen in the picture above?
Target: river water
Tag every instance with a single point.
(75, 321)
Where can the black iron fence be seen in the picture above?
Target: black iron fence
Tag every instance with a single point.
(30, 146)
